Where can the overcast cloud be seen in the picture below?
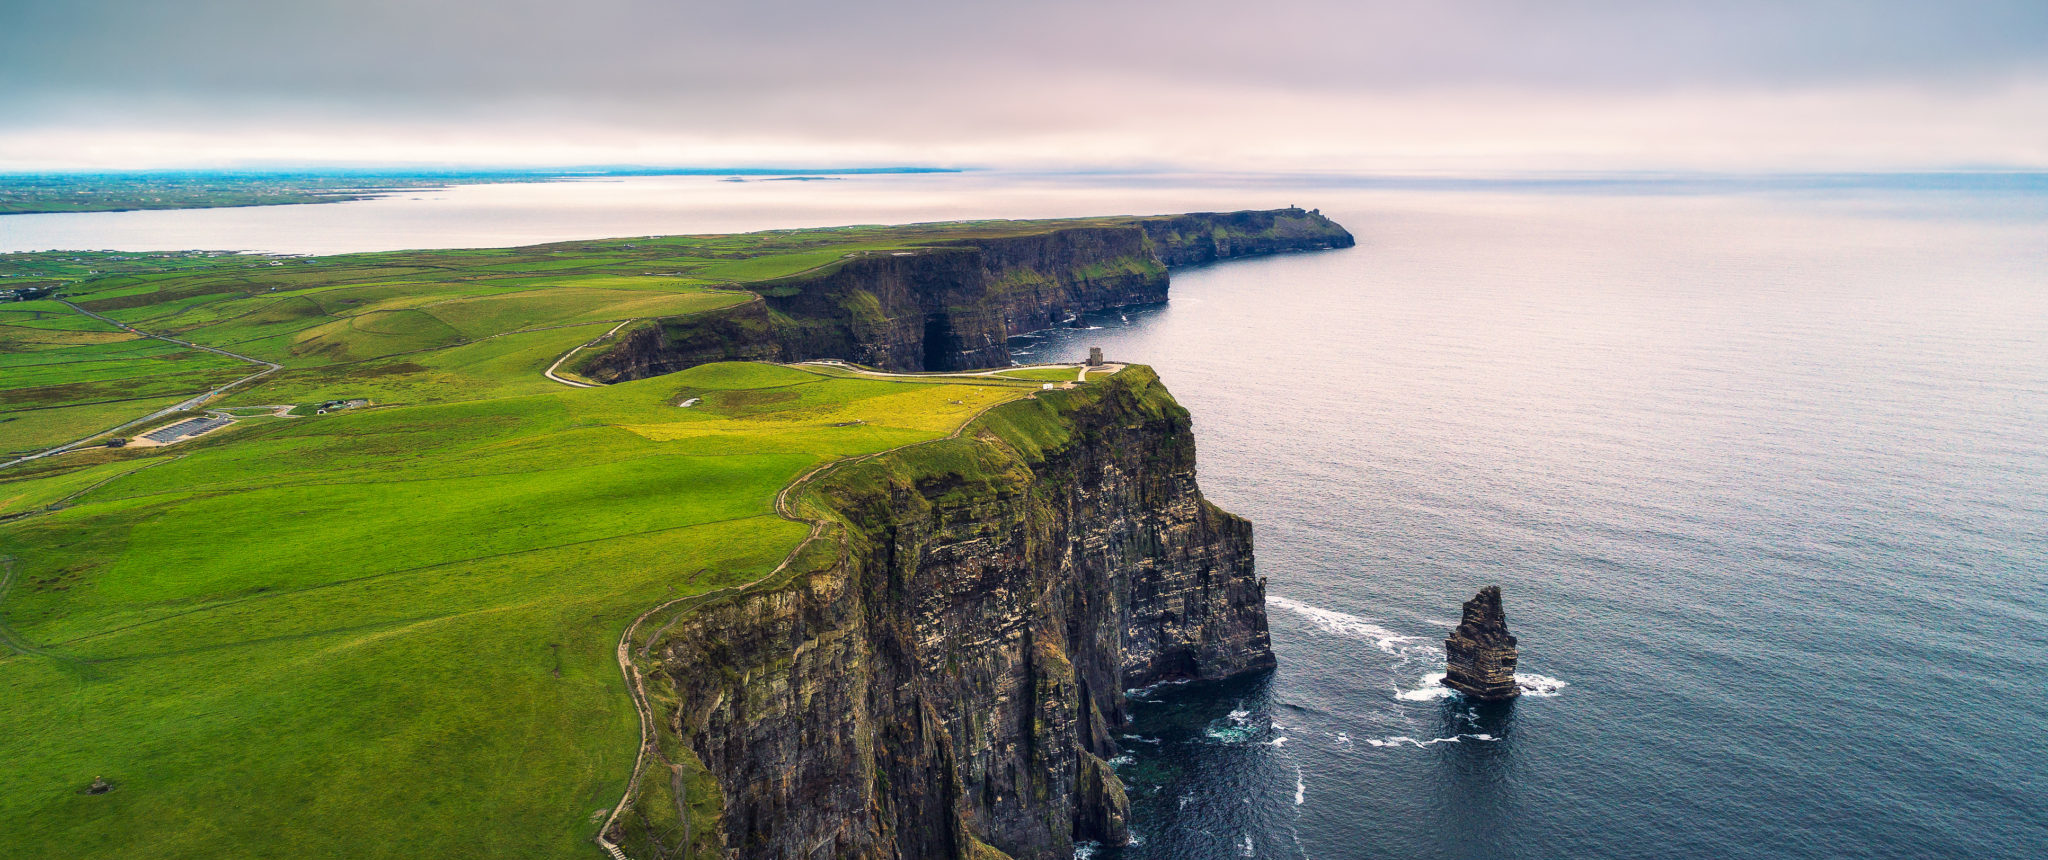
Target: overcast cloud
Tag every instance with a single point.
(1462, 85)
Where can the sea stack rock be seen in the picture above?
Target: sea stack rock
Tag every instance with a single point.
(1479, 657)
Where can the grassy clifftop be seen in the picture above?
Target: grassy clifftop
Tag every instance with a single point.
(388, 629)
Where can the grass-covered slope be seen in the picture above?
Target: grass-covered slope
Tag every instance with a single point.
(389, 632)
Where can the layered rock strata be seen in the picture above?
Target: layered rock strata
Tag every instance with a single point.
(943, 678)
(1479, 658)
(952, 304)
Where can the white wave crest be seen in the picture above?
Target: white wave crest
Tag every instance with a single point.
(1398, 740)
(1431, 689)
(1344, 624)
(1300, 786)
(1534, 686)
(1540, 686)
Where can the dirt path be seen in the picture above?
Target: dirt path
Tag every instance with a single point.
(550, 372)
(785, 507)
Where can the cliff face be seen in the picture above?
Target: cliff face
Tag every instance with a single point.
(954, 303)
(945, 683)
(651, 348)
(1205, 237)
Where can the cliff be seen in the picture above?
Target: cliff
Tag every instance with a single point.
(939, 673)
(951, 304)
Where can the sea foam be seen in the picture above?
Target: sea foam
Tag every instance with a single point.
(1344, 624)
(1398, 740)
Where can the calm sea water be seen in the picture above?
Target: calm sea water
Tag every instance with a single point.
(1763, 472)
(1765, 481)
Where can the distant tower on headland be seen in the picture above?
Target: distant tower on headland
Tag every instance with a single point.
(1095, 356)
(1479, 658)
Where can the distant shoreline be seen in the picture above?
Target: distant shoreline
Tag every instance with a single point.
(133, 191)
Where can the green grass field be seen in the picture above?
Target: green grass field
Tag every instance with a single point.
(400, 619)
(385, 631)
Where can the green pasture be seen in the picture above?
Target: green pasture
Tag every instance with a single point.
(1047, 374)
(389, 632)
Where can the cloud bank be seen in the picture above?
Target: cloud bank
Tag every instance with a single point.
(1459, 85)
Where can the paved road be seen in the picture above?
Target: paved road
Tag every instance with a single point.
(1081, 374)
(269, 367)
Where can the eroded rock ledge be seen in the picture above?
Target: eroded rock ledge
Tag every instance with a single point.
(942, 675)
(953, 303)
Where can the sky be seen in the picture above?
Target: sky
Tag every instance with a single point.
(1459, 86)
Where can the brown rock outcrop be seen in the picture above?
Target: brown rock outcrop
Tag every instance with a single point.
(1479, 658)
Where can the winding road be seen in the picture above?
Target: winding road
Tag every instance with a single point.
(550, 372)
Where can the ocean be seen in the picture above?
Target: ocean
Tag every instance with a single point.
(1764, 479)
(1761, 467)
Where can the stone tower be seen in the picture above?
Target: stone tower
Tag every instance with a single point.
(1095, 356)
(1480, 655)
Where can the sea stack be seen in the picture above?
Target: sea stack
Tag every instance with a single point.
(1479, 657)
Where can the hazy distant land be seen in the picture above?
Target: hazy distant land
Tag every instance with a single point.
(35, 193)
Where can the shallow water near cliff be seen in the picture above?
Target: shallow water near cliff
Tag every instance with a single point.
(1765, 481)
(1762, 471)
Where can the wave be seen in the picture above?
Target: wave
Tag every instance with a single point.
(1300, 786)
(1227, 735)
(1540, 686)
(1432, 689)
(1148, 690)
(1533, 685)
(1344, 624)
(1398, 740)
(1238, 730)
